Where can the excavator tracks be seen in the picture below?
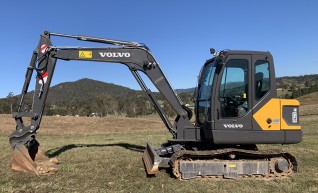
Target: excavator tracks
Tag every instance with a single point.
(232, 163)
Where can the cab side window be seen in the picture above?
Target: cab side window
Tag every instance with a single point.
(262, 81)
(204, 100)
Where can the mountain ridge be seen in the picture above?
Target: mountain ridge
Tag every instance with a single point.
(87, 89)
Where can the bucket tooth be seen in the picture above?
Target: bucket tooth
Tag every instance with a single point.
(32, 161)
(151, 160)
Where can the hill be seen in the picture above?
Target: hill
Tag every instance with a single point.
(86, 90)
(301, 81)
(87, 97)
(185, 90)
(296, 86)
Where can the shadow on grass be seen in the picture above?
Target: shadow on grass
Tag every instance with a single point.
(57, 151)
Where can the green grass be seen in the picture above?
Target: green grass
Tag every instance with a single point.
(112, 163)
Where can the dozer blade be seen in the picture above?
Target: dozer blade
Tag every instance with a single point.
(151, 160)
(32, 161)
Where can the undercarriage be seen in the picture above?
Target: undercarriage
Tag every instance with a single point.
(228, 162)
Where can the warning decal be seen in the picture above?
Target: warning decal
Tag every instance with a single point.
(44, 78)
(85, 54)
(43, 48)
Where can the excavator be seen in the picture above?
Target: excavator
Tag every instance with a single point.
(236, 108)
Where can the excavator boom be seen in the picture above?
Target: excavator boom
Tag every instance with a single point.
(135, 56)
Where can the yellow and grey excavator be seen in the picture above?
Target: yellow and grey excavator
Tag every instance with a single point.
(236, 108)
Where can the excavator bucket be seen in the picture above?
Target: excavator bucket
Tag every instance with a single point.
(151, 160)
(32, 161)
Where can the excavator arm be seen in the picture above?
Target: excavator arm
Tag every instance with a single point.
(137, 57)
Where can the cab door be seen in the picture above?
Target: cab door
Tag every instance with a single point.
(264, 87)
(232, 98)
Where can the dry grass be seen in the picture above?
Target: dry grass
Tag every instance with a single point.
(308, 110)
(309, 104)
(104, 155)
(309, 99)
(69, 125)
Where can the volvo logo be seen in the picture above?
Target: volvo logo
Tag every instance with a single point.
(114, 54)
(233, 126)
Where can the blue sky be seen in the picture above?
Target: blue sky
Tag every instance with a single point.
(179, 33)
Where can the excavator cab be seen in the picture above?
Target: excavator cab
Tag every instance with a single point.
(236, 101)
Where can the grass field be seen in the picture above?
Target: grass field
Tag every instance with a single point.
(104, 155)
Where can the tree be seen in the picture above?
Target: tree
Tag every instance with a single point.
(170, 112)
(307, 84)
(4, 106)
(11, 100)
(105, 105)
(130, 109)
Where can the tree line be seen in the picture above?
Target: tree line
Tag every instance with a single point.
(86, 97)
(103, 105)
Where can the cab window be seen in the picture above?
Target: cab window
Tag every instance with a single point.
(204, 98)
(262, 81)
(233, 93)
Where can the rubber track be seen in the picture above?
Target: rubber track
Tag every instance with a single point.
(247, 154)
